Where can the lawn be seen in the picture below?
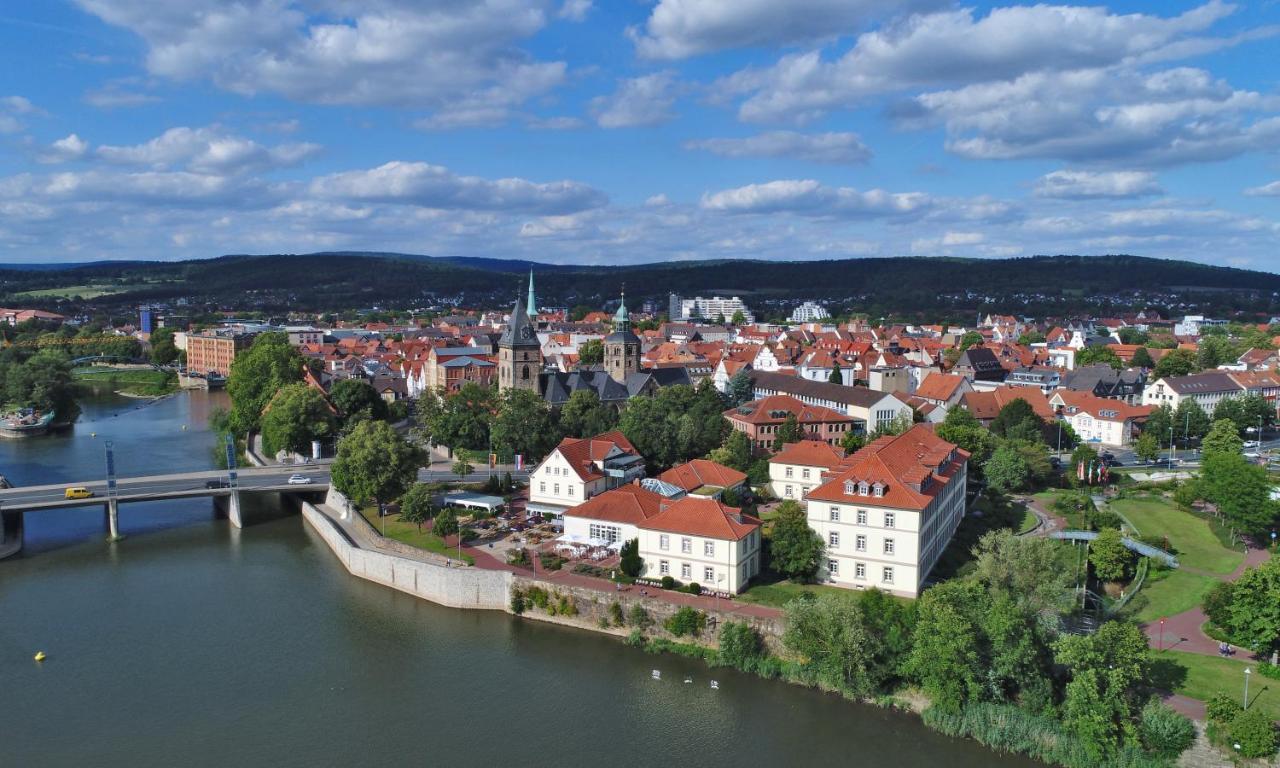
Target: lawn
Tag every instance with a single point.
(1191, 538)
(83, 291)
(1200, 677)
(1029, 522)
(1167, 594)
(777, 594)
(135, 381)
(408, 533)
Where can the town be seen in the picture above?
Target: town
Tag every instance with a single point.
(974, 508)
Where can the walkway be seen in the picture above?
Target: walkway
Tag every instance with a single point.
(1049, 521)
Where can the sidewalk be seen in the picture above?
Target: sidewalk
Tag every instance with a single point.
(1182, 631)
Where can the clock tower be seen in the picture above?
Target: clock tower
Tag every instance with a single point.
(622, 347)
(519, 353)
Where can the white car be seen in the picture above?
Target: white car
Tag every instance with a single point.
(299, 480)
(1250, 443)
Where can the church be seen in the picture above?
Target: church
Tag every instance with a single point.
(619, 379)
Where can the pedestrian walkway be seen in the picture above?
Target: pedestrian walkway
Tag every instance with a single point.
(1183, 631)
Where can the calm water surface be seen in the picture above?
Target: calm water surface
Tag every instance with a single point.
(194, 644)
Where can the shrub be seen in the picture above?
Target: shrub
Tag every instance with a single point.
(694, 588)
(518, 557)
(631, 563)
(517, 602)
(565, 606)
(1269, 670)
(740, 645)
(668, 582)
(686, 621)
(1222, 709)
(1217, 603)
(1098, 520)
(636, 639)
(639, 618)
(539, 597)
(1255, 733)
(615, 613)
(550, 561)
(1165, 732)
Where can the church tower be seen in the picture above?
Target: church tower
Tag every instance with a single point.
(622, 347)
(532, 309)
(519, 352)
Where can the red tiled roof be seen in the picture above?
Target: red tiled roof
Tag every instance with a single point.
(697, 516)
(940, 386)
(809, 453)
(901, 464)
(694, 474)
(985, 405)
(631, 504)
(1117, 410)
(762, 411)
(582, 453)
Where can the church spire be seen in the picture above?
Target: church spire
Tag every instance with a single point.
(622, 318)
(532, 309)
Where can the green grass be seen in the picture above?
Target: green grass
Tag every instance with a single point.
(1190, 537)
(1167, 593)
(135, 381)
(777, 594)
(1200, 677)
(408, 533)
(1029, 522)
(83, 291)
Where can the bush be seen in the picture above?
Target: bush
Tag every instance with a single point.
(565, 606)
(639, 618)
(615, 613)
(631, 563)
(1165, 732)
(694, 588)
(668, 582)
(538, 597)
(550, 560)
(636, 639)
(1101, 519)
(1269, 670)
(1222, 709)
(1217, 603)
(517, 602)
(740, 645)
(686, 622)
(518, 557)
(1255, 733)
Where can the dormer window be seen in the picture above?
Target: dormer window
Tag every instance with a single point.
(848, 487)
(878, 488)
(862, 488)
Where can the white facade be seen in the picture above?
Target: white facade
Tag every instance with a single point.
(710, 308)
(793, 481)
(809, 312)
(722, 565)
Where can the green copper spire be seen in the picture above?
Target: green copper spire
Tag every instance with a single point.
(532, 308)
(621, 318)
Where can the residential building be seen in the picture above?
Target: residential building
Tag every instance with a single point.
(1098, 419)
(1044, 379)
(870, 409)
(761, 420)
(1193, 325)
(448, 368)
(210, 353)
(1105, 381)
(701, 540)
(985, 406)
(578, 469)
(613, 515)
(887, 513)
(943, 389)
(798, 468)
(809, 312)
(15, 316)
(979, 364)
(714, 307)
(703, 477)
(1207, 389)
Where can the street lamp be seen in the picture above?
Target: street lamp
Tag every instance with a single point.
(1247, 671)
(1173, 452)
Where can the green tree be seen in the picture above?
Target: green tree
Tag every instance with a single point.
(738, 317)
(631, 563)
(1240, 490)
(1108, 670)
(257, 373)
(446, 523)
(523, 424)
(1031, 337)
(795, 550)
(163, 349)
(585, 416)
(852, 442)
(1147, 447)
(591, 352)
(375, 463)
(1131, 335)
(461, 419)
(1253, 616)
(830, 634)
(740, 645)
(357, 400)
(1246, 412)
(1110, 558)
(1159, 423)
(836, 376)
(1025, 569)
(462, 463)
(1007, 469)
(946, 659)
(789, 432)
(961, 428)
(417, 505)
(735, 453)
(44, 382)
(297, 415)
(1142, 359)
(741, 389)
(677, 424)
(1176, 362)
(1223, 439)
(1189, 419)
(1099, 355)
(970, 339)
(1255, 732)
(1016, 420)
(1214, 350)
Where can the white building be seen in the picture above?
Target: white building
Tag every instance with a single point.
(613, 515)
(809, 312)
(888, 512)
(701, 540)
(581, 468)
(798, 468)
(1096, 419)
(713, 307)
(1192, 325)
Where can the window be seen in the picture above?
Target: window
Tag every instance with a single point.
(788, 493)
(570, 490)
(859, 570)
(788, 474)
(888, 546)
(686, 546)
(542, 487)
(709, 548)
(888, 575)
(862, 488)
(833, 567)
(664, 542)
(879, 490)
(609, 533)
(860, 543)
(862, 517)
(556, 489)
(889, 519)
(835, 514)
(686, 571)
(709, 575)
(833, 539)
(664, 567)
(805, 473)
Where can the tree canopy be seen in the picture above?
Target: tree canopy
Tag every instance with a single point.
(296, 415)
(357, 400)
(374, 463)
(795, 550)
(257, 373)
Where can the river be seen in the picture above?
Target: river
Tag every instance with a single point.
(191, 643)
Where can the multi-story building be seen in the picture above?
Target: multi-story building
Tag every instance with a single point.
(614, 515)
(1099, 419)
(581, 468)
(1207, 389)
(703, 477)
(701, 540)
(798, 468)
(809, 312)
(869, 409)
(761, 420)
(714, 307)
(887, 513)
(448, 368)
(212, 352)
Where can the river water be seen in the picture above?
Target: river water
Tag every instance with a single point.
(193, 644)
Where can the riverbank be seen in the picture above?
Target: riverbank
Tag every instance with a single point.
(129, 382)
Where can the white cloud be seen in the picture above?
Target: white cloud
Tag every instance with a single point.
(70, 147)
(841, 148)
(1083, 185)
(120, 93)
(639, 101)
(1266, 190)
(11, 109)
(390, 52)
(810, 198)
(574, 10)
(207, 150)
(433, 186)
(677, 29)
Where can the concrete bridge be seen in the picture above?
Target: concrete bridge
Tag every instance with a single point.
(216, 484)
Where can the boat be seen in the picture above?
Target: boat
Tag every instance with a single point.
(656, 675)
(25, 422)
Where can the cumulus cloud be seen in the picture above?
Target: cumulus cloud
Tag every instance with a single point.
(638, 101)
(70, 147)
(806, 197)
(207, 150)
(574, 10)
(1266, 190)
(12, 108)
(1084, 185)
(390, 52)
(121, 93)
(433, 186)
(677, 29)
(955, 47)
(836, 148)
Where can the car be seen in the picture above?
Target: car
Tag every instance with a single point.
(78, 492)
(299, 480)
(1250, 443)
(217, 483)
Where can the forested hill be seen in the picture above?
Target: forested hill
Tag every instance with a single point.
(329, 281)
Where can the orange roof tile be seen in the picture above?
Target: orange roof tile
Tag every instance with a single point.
(632, 504)
(694, 474)
(697, 516)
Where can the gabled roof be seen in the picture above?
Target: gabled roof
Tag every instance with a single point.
(809, 453)
(694, 474)
(630, 504)
(1101, 408)
(940, 386)
(705, 517)
(986, 405)
(910, 469)
(583, 453)
(1200, 383)
(860, 397)
(774, 409)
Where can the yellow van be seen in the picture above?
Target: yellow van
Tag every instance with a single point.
(79, 492)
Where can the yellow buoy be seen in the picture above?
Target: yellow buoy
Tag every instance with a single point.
(40, 656)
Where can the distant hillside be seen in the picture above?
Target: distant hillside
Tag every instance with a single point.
(331, 281)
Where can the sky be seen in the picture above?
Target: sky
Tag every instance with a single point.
(627, 131)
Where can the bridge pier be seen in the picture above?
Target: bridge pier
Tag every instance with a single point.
(113, 520)
(10, 533)
(233, 509)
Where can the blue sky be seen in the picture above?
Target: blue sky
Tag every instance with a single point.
(575, 131)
